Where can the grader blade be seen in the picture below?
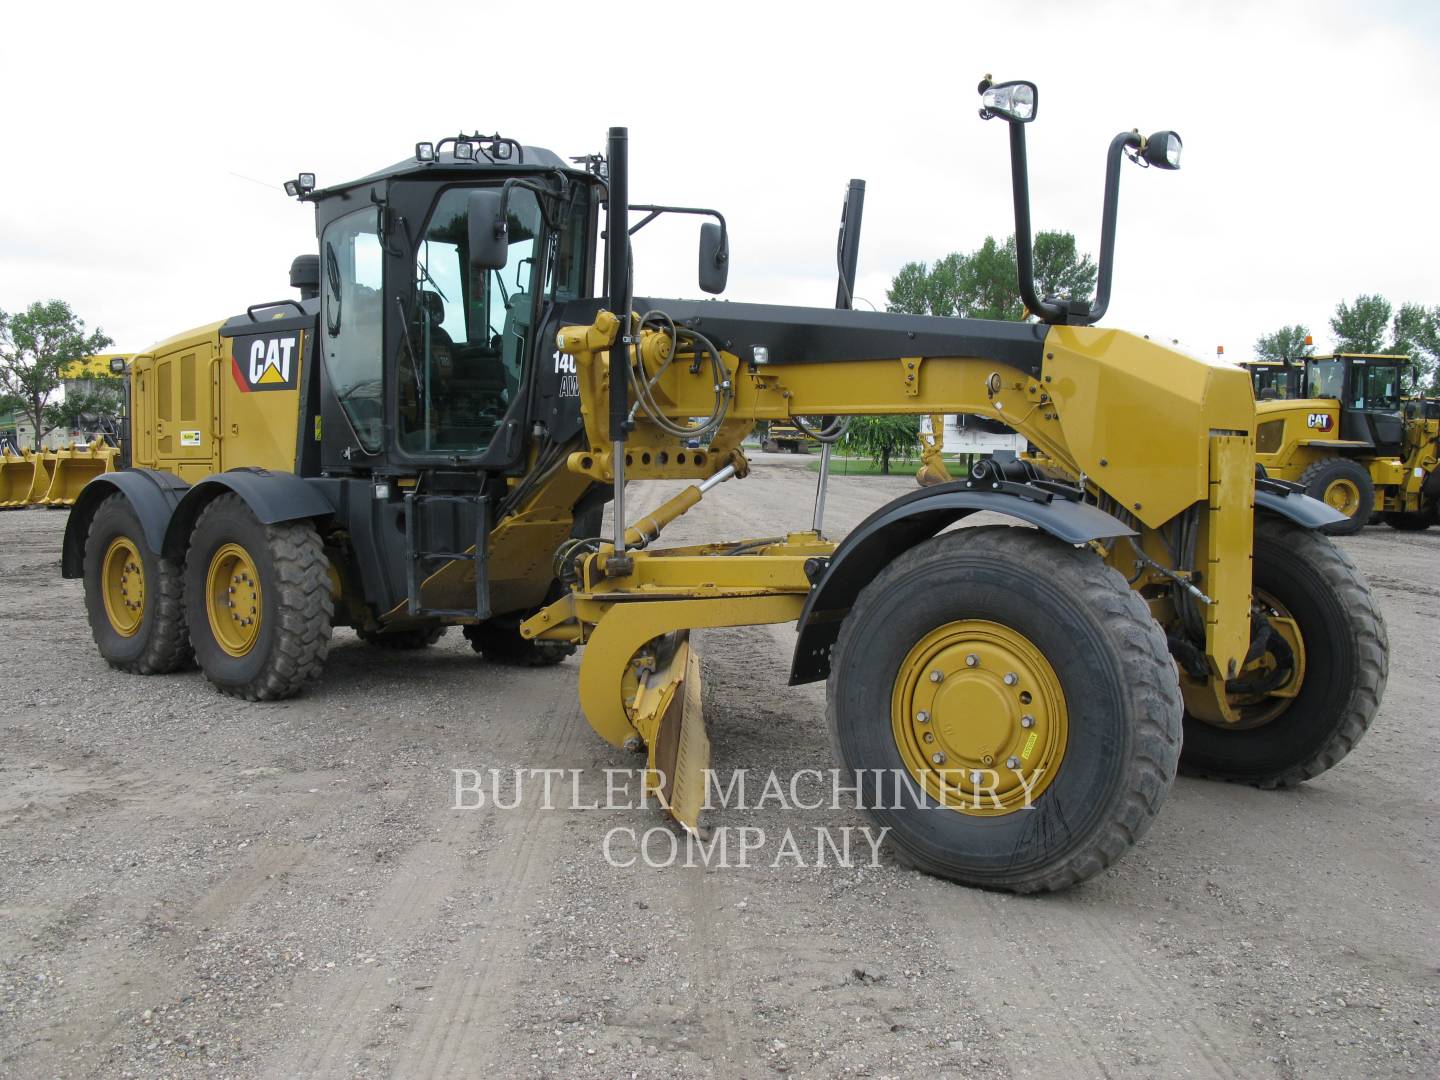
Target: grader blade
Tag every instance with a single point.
(667, 708)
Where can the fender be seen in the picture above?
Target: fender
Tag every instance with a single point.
(909, 520)
(1291, 502)
(272, 497)
(153, 496)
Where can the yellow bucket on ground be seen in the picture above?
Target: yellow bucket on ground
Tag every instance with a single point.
(17, 475)
(52, 477)
(74, 467)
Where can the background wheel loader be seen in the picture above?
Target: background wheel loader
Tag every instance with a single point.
(1354, 442)
(426, 437)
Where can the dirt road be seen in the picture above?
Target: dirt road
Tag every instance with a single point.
(192, 886)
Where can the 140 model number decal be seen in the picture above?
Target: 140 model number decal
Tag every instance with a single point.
(569, 380)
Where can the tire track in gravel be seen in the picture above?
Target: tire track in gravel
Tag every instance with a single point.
(476, 989)
(1014, 946)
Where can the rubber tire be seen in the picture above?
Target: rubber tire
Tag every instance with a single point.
(162, 643)
(499, 641)
(412, 637)
(770, 446)
(588, 523)
(1347, 660)
(1408, 522)
(1120, 684)
(295, 619)
(1319, 476)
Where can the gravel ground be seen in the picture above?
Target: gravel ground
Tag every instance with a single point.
(193, 886)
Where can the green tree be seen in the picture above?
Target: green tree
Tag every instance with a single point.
(1287, 343)
(97, 409)
(34, 345)
(881, 438)
(1416, 333)
(1361, 327)
(984, 283)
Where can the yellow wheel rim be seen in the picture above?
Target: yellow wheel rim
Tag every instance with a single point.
(1343, 495)
(233, 599)
(122, 584)
(1257, 710)
(979, 718)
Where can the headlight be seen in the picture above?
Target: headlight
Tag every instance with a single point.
(1163, 150)
(464, 151)
(1012, 100)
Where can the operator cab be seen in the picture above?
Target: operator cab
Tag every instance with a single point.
(426, 358)
(1277, 380)
(1368, 390)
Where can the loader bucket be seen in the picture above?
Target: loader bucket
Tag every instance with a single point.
(17, 475)
(75, 467)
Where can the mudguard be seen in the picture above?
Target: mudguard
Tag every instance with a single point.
(273, 497)
(153, 495)
(909, 520)
(1295, 505)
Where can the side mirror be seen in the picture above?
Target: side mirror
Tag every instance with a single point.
(714, 258)
(487, 228)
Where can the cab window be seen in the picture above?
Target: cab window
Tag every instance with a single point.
(1377, 387)
(1327, 380)
(462, 360)
(353, 311)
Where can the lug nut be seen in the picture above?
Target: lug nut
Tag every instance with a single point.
(972, 660)
(1027, 721)
(938, 758)
(1012, 762)
(1011, 678)
(936, 675)
(976, 776)
(922, 717)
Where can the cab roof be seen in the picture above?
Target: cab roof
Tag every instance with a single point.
(447, 165)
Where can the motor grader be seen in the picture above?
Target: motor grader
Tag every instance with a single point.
(425, 438)
(1354, 441)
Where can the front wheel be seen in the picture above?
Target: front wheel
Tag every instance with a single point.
(1008, 708)
(1330, 636)
(1343, 485)
(258, 601)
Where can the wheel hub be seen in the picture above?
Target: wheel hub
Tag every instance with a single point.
(1343, 495)
(234, 599)
(979, 717)
(122, 573)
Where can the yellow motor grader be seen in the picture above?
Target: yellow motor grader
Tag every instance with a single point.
(426, 439)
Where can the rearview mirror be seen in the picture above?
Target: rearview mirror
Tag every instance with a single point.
(714, 258)
(487, 228)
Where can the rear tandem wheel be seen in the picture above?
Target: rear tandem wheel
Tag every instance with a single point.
(132, 596)
(258, 601)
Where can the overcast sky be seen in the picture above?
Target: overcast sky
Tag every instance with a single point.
(144, 146)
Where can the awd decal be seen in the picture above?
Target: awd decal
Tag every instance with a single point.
(569, 380)
(267, 362)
